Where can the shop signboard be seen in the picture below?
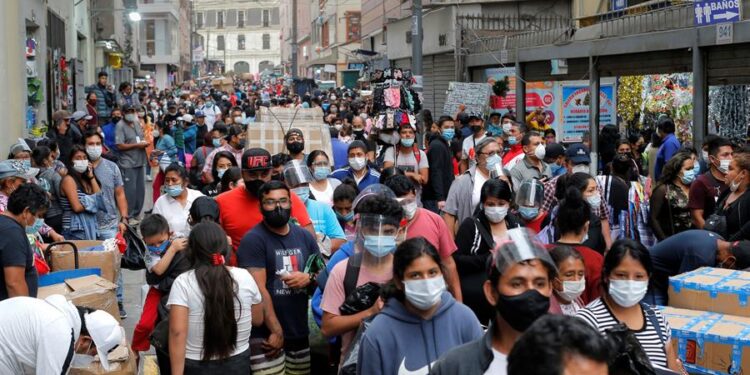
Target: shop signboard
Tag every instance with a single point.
(538, 94)
(575, 109)
(709, 12)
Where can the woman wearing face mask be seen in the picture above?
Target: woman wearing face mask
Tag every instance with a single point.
(420, 321)
(409, 158)
(322, 187)
(44, 160)
(586, 187)
(223, 160)
(669, 200)
(175, 203)
(529, 200)
(570, 282)
(91, 108)
(79, 197)
(476, 237)
(164, 154)
(627, 269)
(734, 204)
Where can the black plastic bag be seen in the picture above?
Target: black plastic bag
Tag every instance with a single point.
(133, 258)
(360, 299)
(628, 355)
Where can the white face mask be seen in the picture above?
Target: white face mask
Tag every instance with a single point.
(82, 360)
(627, 293)
(724, 165)
(506, 127)
(704, 154)
(410, 210)
(581, 168)
(426, 293)
(572, 289)
(94, 152)
(496, 214)
(80, 166)
(131, 117)
(594, 200)
(540, 151)
(357, 163)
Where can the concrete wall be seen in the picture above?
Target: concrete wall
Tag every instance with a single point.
(12, 72)
(435, 23)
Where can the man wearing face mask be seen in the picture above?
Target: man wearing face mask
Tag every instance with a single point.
(51, 336)
(519, 285)
(465, 191)
(440, 159)
(515, 150)
(532, 164)
(131, 143)
(358, 169)
(430, 226)
(275, 253)
(25, 213)
(235, 144)
(295, 144)
(706, 189)
(210, 110)
(240, 207)
(468, 154)
(105, 98)
(554, 156)
(358, 134)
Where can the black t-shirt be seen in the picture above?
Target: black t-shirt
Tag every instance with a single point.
(15, 251)
(617, 191)
(680, 253)
(261, 248)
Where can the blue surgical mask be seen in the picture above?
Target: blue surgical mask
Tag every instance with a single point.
(512, 140)
(321, 173)
(220, 172)
(449, 133)
(174, 190)
(27, 164)
(407, 142)
(216, 142)
(345, 218)
(303, 192)
(688, 176)
(697, 168)
(325, 106)
(495, 130)
(380, 246)
(557, 169)
(34, 228)
(159, 249)
(493, 161)
(528, 213)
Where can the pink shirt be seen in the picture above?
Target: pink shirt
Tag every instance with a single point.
(432, 227)
(334, 297)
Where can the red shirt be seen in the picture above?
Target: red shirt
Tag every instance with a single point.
(514, 151)
(239, 213)
(432, 227)
(535, 225)
(594, 263)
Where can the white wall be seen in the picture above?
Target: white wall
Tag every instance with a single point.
(12, 73)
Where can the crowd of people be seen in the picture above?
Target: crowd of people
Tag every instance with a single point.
(451, 246)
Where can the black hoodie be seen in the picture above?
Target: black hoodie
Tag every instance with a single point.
(440, 159)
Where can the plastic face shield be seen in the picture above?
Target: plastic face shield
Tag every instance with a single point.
(377, 236)
(530, 194)
(373, 190)
(520, 246)
(296, 173)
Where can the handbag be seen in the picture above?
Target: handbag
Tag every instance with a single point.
(717, 221)
(133, 257)
(160, 336)
(630, 358)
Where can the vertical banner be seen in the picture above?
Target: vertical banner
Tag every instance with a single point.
(575, 109)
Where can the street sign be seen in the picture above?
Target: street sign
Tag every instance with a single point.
(709, 12)
(724, 33)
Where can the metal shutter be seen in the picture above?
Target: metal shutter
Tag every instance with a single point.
(443, 72)
(254, 17)
(275, 16)
(210, 18)
(231, 18)
(428, 84)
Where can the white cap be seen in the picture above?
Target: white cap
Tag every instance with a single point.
(187, 117)
(106, 333)
(77, 115)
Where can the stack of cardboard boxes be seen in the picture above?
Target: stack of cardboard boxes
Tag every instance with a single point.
(710, 320)
(94, 292)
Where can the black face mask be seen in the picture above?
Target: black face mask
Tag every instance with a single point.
(359, 133)
(253, 186)
(295, 147)
(522, 310)
(277, 217)
(476, 128)
(116, 119)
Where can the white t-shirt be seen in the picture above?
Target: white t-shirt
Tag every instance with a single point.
(499, 364)
(186, 292)
(407, 161)
(476, 194)
(325, 196)
(175, 213)
(468, 145)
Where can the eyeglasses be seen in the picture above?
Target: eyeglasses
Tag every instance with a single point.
(273, 203)
(493, 153)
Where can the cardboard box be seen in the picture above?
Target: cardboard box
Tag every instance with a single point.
(272, 124)
(90, 255)
(710, 343)
(88, 291)
(711, 289)
(121, 362)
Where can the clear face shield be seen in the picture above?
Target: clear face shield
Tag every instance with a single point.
(296, 173)
(520, 246)
(378, 236)
(529, 198)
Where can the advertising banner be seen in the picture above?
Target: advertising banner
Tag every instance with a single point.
(575, 109)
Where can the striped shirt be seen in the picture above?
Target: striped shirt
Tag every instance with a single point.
(598, 315)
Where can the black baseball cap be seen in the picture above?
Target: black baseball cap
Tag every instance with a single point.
(204, 207)
(256, 159)
(554, 150)
(741, 252)
(578, 154)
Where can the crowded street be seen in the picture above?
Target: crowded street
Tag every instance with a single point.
(375, 187)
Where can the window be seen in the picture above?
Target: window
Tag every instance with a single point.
(266, 17)
(220, 20)
(241, 19)
(199, 20)
(150, 37)
(266, 41)
(324, 37)
(240, 42)
(220, 42)
(353, 26)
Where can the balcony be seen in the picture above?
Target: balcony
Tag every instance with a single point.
(159, 7)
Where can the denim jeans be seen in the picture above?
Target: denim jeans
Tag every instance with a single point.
(105, 234)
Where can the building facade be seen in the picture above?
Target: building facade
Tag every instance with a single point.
(161, 39)
(242, 36)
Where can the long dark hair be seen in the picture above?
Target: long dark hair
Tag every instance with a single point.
(219, 155)
(79, 178)
(218, 287)
(619, 250)
(573, 212)
(232, 175)
(405, 254)
(673, 168)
